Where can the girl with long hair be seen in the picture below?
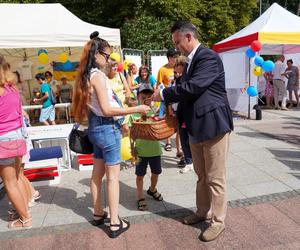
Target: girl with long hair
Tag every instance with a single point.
(94, 100)
(11, 122)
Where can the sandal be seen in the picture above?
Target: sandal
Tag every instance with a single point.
(36, 196)
(168, 147)
(156, 195)
(20, 224)
(142, 205)
(100, 219)
(115, 233)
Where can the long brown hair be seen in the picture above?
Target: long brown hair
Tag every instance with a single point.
(82, 87)
(6, 76)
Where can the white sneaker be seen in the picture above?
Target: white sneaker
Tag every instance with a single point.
(187, 168)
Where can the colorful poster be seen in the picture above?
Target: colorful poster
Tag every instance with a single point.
(67, 69)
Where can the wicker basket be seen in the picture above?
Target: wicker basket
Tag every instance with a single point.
(157, 130)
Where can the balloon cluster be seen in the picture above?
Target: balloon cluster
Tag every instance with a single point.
(260, 64)
(43, 56)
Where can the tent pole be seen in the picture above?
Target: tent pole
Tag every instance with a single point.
(249, 86)
(260, 7)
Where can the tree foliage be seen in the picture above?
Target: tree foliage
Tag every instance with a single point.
(291, 5)
(147, 32)
(146, 24)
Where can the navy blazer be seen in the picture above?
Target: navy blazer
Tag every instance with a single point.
(202, 97)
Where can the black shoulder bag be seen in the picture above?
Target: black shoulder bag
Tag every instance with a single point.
(79, 141)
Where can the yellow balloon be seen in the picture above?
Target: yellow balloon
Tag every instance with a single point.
(258, 71)
(63, 57)
(126, 63)
(43, 58)
(115, 56)
(125, 149)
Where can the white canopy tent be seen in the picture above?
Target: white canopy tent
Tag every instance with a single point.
(47, 25)
(277, 29)
(44, 26)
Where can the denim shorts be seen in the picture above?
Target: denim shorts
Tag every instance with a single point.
(12, 135)
(47, 114)
(154, 163)
(105, 135)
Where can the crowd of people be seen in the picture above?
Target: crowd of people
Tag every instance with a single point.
(191, 86)
(276, 87)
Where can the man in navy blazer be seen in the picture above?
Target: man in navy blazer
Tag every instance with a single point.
(203, 100)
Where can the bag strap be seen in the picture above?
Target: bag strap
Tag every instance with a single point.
(121, 78)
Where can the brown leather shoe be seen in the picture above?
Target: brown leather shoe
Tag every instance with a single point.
(192, 219)
(212, 232)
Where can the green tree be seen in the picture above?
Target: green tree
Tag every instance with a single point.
(221, 19)
(291, 5)
(146, 32)
(146, 24)
(24, 1)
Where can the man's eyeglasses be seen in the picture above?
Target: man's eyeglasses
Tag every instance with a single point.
(106, 55)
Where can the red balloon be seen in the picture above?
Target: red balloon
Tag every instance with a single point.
(120, 68)
(255, 45)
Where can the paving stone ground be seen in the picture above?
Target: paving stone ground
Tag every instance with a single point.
(263, 187)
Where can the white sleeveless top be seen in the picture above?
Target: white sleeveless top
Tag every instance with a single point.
(94, 104)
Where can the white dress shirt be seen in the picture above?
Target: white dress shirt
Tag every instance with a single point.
(189, 60)
(191, 56)
(278, 70)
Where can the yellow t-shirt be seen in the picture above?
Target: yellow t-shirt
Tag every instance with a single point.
(165, 75)
(118, 87)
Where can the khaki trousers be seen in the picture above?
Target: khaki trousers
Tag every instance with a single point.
(209, 159)
(279, 90)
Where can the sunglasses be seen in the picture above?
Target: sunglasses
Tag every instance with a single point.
(106, 55)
